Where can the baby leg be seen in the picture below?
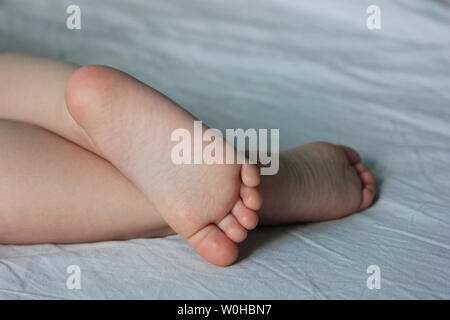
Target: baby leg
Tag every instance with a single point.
(51, 190)
(36, 89)
(32, 91)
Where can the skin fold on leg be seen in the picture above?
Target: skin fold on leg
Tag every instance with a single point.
(32, 91)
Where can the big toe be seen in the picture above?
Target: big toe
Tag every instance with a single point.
(368, 188)
(214, 246)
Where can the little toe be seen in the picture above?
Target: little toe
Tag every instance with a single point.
(232, 228)
(352, 155)
(251, 198)
(246, 217)
(250, 175)
(213, 245)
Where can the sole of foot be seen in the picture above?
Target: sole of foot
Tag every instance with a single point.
(130, 125)
(317, 181)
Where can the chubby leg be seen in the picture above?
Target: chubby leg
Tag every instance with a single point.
(55, 191)
(51, 190)
(32, 91)
(212, 214)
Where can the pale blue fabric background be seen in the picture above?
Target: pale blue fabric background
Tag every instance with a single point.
(311, 69)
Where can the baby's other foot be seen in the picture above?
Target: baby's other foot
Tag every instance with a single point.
(317, 181)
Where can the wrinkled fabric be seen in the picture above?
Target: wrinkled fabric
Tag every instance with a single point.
(309, 68)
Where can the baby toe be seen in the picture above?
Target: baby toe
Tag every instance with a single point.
(232, 228)
(246, 217)
(367, 196)
(251, 198)
(360, 167)
(214, 245)
(352, 155)
(367, 177)
(250, 175)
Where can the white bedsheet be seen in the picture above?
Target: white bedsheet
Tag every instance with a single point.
(310, 68)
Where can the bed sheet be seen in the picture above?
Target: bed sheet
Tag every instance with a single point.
(310, 68)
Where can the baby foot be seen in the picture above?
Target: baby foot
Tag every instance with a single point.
(316, 182)
(130, 124)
